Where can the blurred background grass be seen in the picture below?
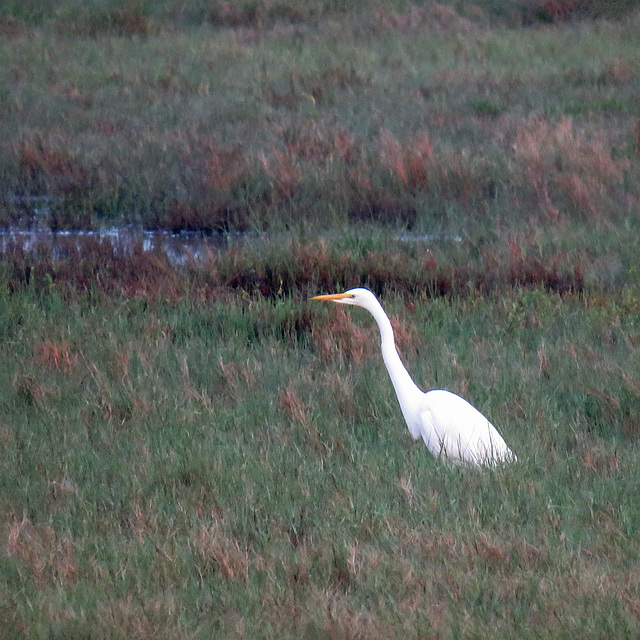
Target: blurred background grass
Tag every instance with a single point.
(423, 116)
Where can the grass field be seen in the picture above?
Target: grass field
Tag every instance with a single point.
(201, 469)
(198, 451)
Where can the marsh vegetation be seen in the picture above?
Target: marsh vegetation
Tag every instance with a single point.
(191, 449)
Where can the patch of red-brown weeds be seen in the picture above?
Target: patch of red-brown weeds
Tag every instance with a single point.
(48, 555)
(558, 169)
(55, 356)
(202, 397)
(235, 377)
(314, 144)
(528, 269)
(92, 265)
(292, 405)
(297, 411)
(382, 188)
(212, 204)
(499, 553)
(224, 167)
(379, 187)
(437, 17)
(598, 460)
(284, 175)
(567, 168)
(106, 267)
(339, 337)
(221, 553)
(144, 621)
(204, 214)
(411, 162)
(233, 191)
(43, 168)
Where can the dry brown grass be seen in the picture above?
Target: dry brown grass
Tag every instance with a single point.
(44, 163)
(412, 162)
(224, 168)
(440, 18)
(149, 621)
(569, 169)
(293, 406)
(341, 338)
(219, 552)
(55, 356)
(568, 166)
(47, 555)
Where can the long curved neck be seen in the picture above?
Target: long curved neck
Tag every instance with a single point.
(404, 386)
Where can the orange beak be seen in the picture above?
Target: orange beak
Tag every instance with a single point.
(334, 296)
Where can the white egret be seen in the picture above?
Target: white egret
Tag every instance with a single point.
(452, 429)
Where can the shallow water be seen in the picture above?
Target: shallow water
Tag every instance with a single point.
(35, 237)
(180, 248)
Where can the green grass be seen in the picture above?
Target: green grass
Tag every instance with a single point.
(199, 451)
(189, 469)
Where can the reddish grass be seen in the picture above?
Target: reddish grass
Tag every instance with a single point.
(100, 267)
(292, 405)
(316, 145)
(411, 163)
(284, 175)
(55, 356)
(144, 621)
(566, 165)
(599, 461)
(236, 375)
(560, 171)
(224, 168)
(41, 166)
(340, 337)
(438, 17)
(219, 552)
(48, 556)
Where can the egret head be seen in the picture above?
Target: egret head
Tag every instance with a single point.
(360, 297)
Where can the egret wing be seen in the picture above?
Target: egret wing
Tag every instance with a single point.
(456, 431)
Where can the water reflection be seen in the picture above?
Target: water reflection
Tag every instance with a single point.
(33, 236)
(179, 248)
